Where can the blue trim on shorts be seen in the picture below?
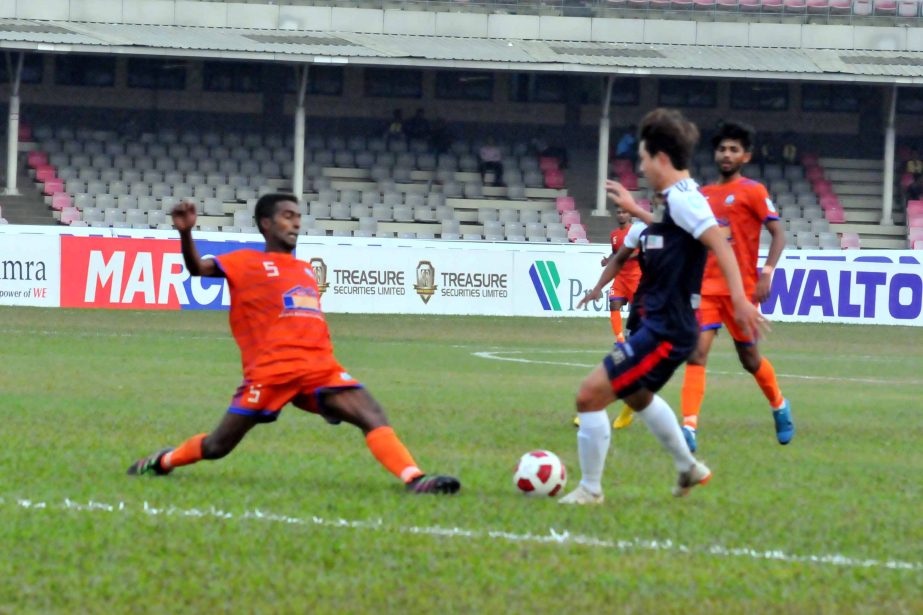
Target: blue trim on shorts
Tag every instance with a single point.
(264, 416)
(710, 327)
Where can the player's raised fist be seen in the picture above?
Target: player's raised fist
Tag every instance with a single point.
(184, 216)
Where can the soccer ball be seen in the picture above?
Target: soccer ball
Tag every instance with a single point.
(540, 473)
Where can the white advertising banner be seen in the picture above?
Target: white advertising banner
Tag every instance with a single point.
(394, 276)
(853, 290)
(30, 270)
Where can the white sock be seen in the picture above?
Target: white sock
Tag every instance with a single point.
(660, 419)
(592, 446)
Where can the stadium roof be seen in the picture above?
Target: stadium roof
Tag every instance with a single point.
(455, 52)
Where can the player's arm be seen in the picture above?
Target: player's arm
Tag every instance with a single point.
(184, 219)
(774, 226)
(615, 264)
(746, 314)
(623, 199)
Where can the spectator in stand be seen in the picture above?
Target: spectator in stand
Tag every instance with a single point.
(789, 150)
(491, 156)
(417, 127)
(439, 137)
(395, 131)
(627, 147)
(915, 190)
(914, 165)
(769, 151)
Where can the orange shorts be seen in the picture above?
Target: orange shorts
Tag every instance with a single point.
(717, 310)
(624, 287)
(265, 401)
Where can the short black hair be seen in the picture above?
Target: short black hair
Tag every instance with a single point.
(734, 131)
(668, 131)
(266, 206)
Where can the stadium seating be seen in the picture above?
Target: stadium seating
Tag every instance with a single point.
(102, 179)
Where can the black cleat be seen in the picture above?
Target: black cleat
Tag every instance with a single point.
(434, 484)
(150, 464)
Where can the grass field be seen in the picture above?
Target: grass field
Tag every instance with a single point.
(301, 519)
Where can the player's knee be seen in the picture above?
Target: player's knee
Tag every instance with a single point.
(587, 398)
(697, 358)
(750, 359)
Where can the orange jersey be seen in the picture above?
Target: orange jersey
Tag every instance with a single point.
(275, 317)
(631, 268)
(741, 208)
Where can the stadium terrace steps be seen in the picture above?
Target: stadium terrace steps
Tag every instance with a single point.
(852, 163)
(27, 208)
(883, 243)
(855, 176)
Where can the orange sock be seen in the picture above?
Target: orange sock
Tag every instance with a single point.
(615, 318)
(391, 453)
(766, 377)
(692, 394)
(186, 453)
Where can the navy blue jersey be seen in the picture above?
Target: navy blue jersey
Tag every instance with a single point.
(672, 262)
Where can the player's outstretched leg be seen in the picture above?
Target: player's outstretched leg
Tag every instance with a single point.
(357, 407)
(659, 418)
(227, 435)
(765, 375)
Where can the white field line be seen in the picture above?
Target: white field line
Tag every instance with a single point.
(551, 537)
(495, 355)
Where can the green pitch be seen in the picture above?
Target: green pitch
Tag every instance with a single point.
(301, 519)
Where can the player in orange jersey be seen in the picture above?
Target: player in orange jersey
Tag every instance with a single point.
(742, 207)
(626, 282)
(285, 349)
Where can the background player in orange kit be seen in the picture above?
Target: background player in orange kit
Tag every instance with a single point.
(742, 207)
(626, 282)
(285, 349)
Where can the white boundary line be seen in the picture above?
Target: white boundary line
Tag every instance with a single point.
(495, 356)
(551, 537)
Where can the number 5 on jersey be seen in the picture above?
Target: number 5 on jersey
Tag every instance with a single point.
(271, 270)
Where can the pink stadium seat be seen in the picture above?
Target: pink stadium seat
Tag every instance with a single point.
(840, 7)
(69, 215)
(771, 6)
(914, 208)
(862, 7)
(25, 132)
(621, 165)
(885, 7)
(795, 6)
(53, 186)
(36, 159)
(728, 5)
(818, 7)
(850, 241)
(576, 231)
(554, 179)
(915, 221)
(44, 173)
(750, 5)
(682, 5)
(644, 204)
(908, 8)
(815, 174)
(659, 5)
(564, 203)
(823, 188)
(830, 202)
(60, 200)
(835, 215)
(569, 218)
(547, 163)
(914, 235)
(629, 180)
(918, 245)
(809, 159)
(637, 4)
(704, 5)
(616, 3)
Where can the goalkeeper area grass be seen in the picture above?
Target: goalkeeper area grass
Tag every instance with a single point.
(300, 518)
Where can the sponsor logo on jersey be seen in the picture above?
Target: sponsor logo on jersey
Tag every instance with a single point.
(300, 298)
(729, 200)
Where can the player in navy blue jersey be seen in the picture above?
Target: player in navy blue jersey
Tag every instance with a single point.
(673, 249)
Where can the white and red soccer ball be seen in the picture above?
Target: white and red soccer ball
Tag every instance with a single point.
(540, 473)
